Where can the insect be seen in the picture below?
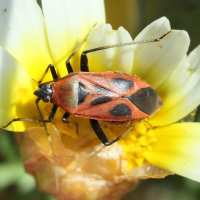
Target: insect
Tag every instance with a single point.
(114, 97)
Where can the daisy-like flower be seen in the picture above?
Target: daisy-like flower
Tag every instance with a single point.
(31, 38)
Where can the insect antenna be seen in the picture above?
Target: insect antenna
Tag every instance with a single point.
(127, 43)
(50, 142)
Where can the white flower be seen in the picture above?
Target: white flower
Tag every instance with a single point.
(31, 39)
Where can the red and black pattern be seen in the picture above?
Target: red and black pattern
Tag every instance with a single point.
(114, 97)
(108, 96)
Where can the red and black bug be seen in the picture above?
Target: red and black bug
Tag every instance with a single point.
(114, 97)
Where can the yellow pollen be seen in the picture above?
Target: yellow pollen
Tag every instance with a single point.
(136, 143)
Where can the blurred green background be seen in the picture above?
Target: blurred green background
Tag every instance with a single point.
(133, 15)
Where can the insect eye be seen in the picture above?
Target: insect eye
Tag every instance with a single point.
(146, 99)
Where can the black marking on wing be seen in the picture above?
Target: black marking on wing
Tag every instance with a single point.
(122, 84)
(100, 100)
(82, 93)
(121, 110)
(146, 99)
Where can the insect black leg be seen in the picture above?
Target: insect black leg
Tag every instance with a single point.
(84, 62)
(84, 59)
(99, 132)
(68, 65)
(51, 116)
(101, 135)
(52, 113)
(53, 72)
(64, 119)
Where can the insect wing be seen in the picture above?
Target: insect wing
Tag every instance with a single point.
(109, 109)
(111, 83)
(102, 97)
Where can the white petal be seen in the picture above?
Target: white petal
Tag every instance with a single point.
(23, 35)
(113, 59)
(16, 93)
(180, 92)
(153, 62)
(68, 22)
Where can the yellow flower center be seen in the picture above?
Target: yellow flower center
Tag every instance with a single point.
(136, 143)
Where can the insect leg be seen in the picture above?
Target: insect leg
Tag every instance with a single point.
(68, 65)
(49, 138)
(64, 119)
(53, 72)
(84, 59)
(101, 135)
(51, 116)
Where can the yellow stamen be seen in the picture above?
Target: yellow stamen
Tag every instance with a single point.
(136, 143)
